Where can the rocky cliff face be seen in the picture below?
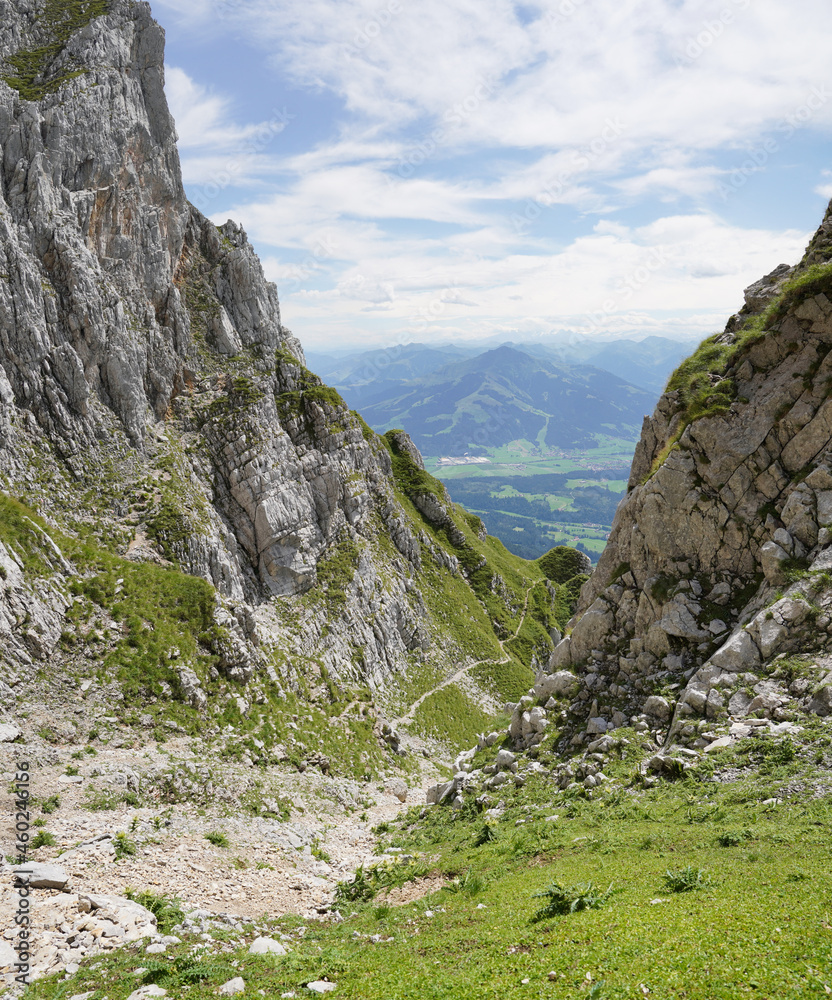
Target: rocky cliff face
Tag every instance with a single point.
(151, 403)
(713, 597)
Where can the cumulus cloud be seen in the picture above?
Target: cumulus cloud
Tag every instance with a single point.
(496, 166)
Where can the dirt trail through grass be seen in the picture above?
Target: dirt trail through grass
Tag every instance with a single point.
(410, 714)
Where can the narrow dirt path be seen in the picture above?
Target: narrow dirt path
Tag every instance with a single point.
(410, 714)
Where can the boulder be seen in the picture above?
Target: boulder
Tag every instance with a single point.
(233, 987)
(658, 707)
(739, 653)
(266, 946)
(678, 620)
(773, 558)
(8, 732)
(445, 790)
(820, 702)
(591, 630)
(191, 690)
(719, 744)
(561, 684)
(135, 920)
(397, 787)
(38, 876)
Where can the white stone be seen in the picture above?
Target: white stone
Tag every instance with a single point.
(8, 732)
(41, 876)
(266, 946)
(319, 986)
(720, 744)
(147, 991)
(233, 987)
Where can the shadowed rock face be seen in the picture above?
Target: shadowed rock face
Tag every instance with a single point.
(717, 521)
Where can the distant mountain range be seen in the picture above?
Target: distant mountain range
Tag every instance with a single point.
(645, 363)
(475, 403)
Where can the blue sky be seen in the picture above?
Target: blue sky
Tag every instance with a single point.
(434, 170)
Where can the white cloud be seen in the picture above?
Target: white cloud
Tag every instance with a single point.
(616, 278)
(483, 169)
(213, 147)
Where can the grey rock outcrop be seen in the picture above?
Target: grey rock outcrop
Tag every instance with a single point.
(724, 512)
(150, 394)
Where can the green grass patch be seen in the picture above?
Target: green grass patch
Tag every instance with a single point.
(562, 563)
(59, 19)
(450, 716)
(336, 571)
(25, 534)
(217, 839)
(506, 681)
(167, 909)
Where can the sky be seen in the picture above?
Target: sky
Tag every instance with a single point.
(449, 170)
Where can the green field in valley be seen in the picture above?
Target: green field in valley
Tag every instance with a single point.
(534, 498)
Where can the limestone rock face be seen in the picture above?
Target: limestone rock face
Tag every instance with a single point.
(150, 394)
(723, 510)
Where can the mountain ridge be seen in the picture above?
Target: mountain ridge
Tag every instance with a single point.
(160, 426)
(503, 395)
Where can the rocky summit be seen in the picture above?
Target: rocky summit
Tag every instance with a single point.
(279, 718)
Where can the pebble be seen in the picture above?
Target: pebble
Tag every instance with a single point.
(320, 986)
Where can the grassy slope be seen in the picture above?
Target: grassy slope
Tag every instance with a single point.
(131, 615)
(126, 619)
(759, 929)
(503, 598)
